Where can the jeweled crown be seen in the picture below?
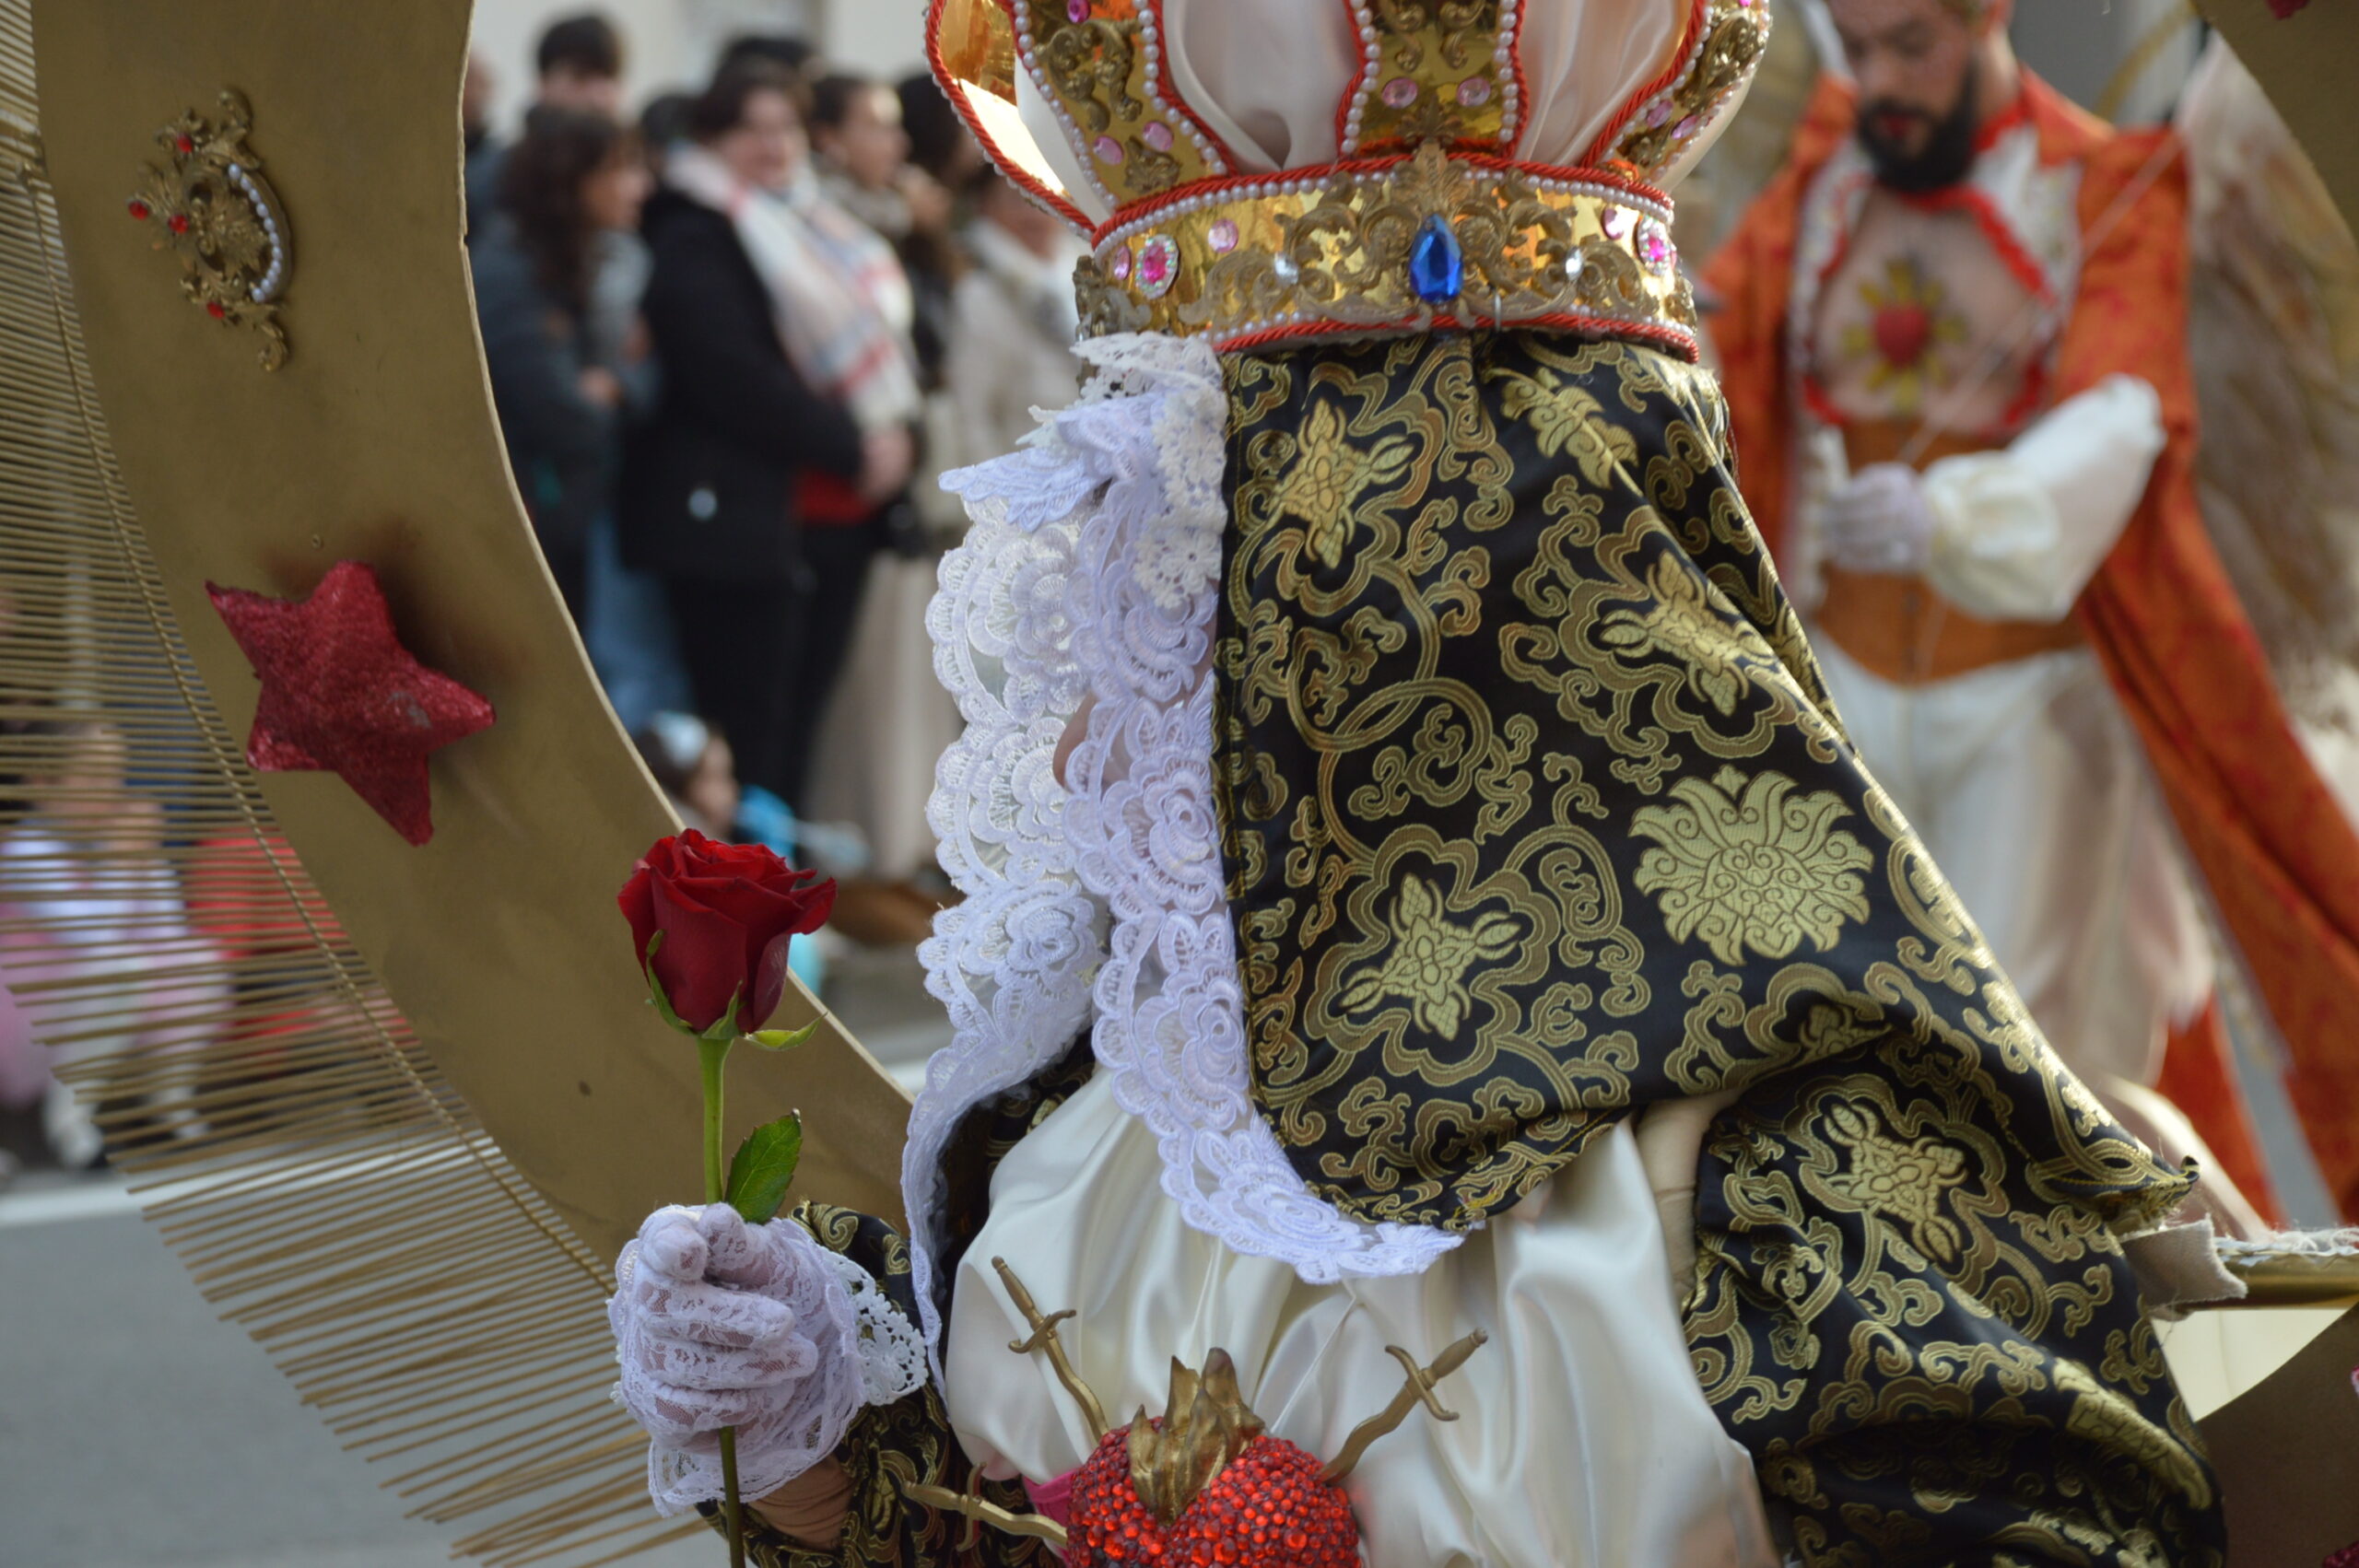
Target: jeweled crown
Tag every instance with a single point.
(1430, 218)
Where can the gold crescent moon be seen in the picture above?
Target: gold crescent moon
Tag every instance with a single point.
(377, 442)
(488, 1076)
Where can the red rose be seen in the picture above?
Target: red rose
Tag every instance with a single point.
(726, 912)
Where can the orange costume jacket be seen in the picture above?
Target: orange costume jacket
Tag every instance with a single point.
(2261, 828)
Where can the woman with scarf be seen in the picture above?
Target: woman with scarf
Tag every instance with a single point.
(780, 326)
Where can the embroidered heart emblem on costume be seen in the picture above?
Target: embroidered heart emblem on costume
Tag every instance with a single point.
(1902, 334)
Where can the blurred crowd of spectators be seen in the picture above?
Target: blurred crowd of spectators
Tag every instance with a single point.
(732, 339)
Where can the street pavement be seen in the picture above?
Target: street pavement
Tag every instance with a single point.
(137, 1431)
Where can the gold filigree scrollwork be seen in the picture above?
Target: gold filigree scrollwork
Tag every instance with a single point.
(1436, 71)
(1450, 25)
(1734, 41)
(1338, 254)
(1090, 65)
(211, 205)
(1097, 62)
(1107, 308)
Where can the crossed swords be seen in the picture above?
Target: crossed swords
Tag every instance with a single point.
(1417, 1389)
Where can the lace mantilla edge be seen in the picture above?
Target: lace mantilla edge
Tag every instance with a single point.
(1092, 572)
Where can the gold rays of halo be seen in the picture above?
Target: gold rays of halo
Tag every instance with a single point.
(322, 1182)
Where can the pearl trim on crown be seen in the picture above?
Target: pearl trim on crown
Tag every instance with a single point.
(1256, 260)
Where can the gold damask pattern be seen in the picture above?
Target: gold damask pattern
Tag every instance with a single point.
(1535, 813)
(1749, 864)
(1933, 1362)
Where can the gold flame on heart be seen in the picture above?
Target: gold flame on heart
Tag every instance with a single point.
(1206, 1425)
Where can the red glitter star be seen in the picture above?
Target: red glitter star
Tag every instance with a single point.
(341, 694)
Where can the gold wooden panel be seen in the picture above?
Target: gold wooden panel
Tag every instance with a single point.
(377, 442)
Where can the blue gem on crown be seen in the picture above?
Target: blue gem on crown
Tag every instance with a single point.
(1437, 262)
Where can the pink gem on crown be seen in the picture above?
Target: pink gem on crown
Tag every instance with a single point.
(1158, 265)
(1655, 248)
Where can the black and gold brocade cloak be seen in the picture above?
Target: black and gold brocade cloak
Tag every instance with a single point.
(1535, 813)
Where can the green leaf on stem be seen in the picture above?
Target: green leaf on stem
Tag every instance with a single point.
(764, 1168)
(784, 1040)
(662, 1004)
(725, 1027)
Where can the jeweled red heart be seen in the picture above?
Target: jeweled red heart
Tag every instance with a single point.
(1267, 1508)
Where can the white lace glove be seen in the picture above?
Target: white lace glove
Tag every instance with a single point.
(1880, 522)
(718, 1323)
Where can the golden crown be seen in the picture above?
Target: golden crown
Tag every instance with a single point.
(1430, 218)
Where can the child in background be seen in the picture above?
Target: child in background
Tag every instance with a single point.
(87, 893)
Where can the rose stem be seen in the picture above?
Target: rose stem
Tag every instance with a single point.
(710, 1055)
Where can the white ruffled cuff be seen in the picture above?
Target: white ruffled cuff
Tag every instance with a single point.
(2018, 533)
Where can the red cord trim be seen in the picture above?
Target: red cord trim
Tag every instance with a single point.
(1822, 408)
(1691, 44)
(1009, 170)
(1814, 396)
(2027, 270)
(1993, 224)
(2015, 115)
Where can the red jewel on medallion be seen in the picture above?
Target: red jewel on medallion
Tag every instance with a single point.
(178, 223)
(214, 309)
(138, 209)
(184, 143)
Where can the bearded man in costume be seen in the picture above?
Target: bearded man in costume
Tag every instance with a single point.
(1416, 885)
(1955, 349)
